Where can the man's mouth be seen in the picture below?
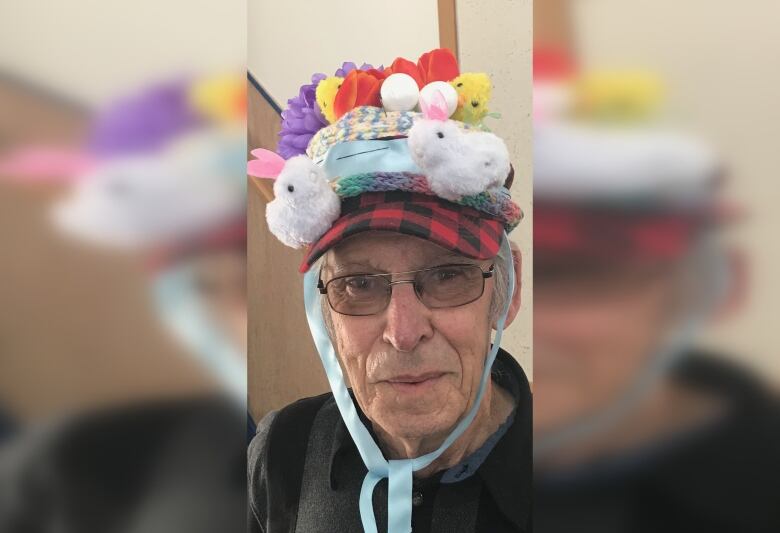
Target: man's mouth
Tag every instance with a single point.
(414, 382)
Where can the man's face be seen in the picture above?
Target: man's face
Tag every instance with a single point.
(596, 324)
(414, 371)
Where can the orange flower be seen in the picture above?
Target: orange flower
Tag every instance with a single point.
(438, 65)
(359, 88)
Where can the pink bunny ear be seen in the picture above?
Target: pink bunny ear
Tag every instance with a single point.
(436, 109)
(49, 164)
(267, 165)
(425, 108)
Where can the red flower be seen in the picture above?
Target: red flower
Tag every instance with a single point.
(438, 65)
(404, 66)
(359, 88)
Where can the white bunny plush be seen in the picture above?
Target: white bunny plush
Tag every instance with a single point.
(304, 206)
(456, 162)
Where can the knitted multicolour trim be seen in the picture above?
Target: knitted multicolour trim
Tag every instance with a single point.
(494, 202)
(381, 181)
(364, 124)
(498, 203)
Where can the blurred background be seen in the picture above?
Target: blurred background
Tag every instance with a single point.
(122, 215)
(656, 381)
(81, 95)
(714, 64)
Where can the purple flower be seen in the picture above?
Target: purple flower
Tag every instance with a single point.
(301, 120)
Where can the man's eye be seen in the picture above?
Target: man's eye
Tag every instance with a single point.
(448, 274)
(360, 283)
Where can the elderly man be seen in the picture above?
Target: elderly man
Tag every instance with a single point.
(403, 290)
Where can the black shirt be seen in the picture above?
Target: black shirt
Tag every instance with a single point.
(305, 473)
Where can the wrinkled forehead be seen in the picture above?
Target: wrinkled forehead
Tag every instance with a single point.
(389, 252)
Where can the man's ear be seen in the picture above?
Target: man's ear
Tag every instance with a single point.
(514, 304)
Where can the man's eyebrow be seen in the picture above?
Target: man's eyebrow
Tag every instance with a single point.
(456, 257)
(452, 258)
(355, 266)
(368, 267)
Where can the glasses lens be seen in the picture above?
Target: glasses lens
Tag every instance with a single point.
(358, 295)
(450, 286)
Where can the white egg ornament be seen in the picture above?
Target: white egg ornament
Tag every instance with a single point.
(399, 92)
(305, 205)
(447, 91)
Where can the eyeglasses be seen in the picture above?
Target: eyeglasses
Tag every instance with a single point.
(436, 287)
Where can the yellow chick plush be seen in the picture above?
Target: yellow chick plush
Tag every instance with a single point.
(474, 90)
(326, 95)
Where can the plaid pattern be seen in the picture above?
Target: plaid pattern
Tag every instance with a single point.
(455, 227)
(493, 202)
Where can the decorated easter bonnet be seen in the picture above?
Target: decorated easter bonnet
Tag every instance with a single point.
(401, 148)
(360, 157)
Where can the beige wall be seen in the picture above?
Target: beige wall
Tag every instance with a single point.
(290, 40)
(720, 62)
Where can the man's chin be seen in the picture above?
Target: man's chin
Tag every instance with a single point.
(418, 423)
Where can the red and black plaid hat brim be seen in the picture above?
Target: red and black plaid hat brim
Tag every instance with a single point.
(460, 229)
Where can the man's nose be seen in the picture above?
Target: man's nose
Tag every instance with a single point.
(408, 321)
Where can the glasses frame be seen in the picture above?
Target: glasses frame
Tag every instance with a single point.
(323, 287)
